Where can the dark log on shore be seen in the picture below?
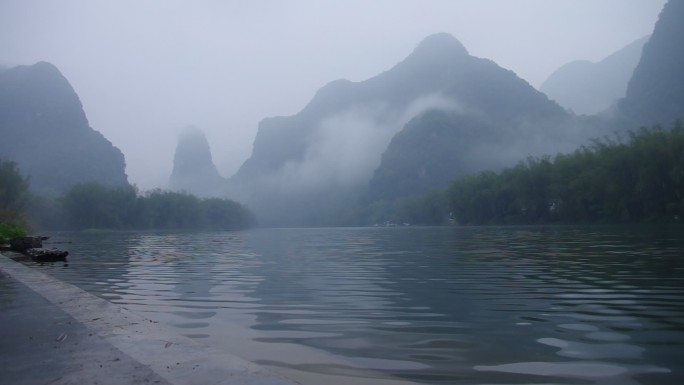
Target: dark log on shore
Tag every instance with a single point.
(33, 247)
(46, 255)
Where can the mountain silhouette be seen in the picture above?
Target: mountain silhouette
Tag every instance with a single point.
(655, 93)
(307, 169)
(44, 129)
(589, 88)
(193, 168)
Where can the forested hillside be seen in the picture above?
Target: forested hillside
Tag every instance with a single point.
(638, 178)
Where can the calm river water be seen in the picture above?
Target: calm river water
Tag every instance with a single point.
(443, 305)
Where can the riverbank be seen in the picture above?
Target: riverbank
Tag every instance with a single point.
(56, 333)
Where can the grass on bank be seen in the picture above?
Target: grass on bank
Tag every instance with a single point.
(8, 232)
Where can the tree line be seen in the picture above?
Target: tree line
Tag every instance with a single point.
(639, 178)
(97, 206)
(13, 195)
(612, 180)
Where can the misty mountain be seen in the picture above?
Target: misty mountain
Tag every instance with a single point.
(311, 167)
(497, 120)
(655, 93)
(44, 129)
(347, 114)
(589, 88)
(194, 170)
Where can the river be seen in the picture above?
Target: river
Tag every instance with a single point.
(427, 305)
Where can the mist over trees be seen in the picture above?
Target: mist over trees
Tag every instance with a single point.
(438, 114)
(474, 116)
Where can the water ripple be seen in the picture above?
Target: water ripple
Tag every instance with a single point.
(429, 305)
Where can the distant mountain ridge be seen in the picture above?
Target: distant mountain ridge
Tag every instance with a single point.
(309, 168)
(379, 99)
(500, 120)
(45, 130)
(589, 88)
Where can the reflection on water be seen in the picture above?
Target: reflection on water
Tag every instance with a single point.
(506, 305)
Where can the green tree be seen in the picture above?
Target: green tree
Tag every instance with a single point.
(13, 193)
(93, 205)
(640, 180)
(172, 210)
(225, 214)
(96, 206)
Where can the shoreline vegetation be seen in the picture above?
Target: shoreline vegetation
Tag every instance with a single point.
(97, 207)
(611, 180)
(13, 195)
(8, 232)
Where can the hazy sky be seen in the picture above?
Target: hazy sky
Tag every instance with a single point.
(146, 69)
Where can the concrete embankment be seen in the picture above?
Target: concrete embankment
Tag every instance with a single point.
(53, 332)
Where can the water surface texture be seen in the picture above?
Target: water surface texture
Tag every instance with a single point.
(445, 305)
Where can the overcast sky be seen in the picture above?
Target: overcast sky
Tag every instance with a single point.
(146, 69)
